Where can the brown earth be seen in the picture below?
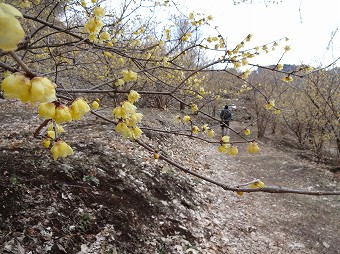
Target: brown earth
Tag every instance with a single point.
(112, 197)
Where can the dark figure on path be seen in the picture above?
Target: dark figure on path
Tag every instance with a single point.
(225, 116)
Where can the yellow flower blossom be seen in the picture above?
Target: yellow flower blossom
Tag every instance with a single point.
(225, 139)
(186, 119)
(270, 105)
(119, 82)
(129, 75)
(222, 149)
(279, 67)
(61, 149)
(46, 142)
(178, 118)
(136, 132)
(253, 147)
(277, 111)
(257, 184)
(11, 32)
(133, 96)
(194, 107)
(232, 150)
(42, 90)
(93, 25)
(95, 105)
(50, 134)
(210, 133)
(62, 114)
(121, 61)
(17, 86)
(99, 12)
(124, 130)
(79, 108)
(46, 110)
(105, 36)
(287, 48)
(246, 132)
(129, 107)
(195, 129)
(119, 112)
(60, 129)
(287, 79)
(156, 156)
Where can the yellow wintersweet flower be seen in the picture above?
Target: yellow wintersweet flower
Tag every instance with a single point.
(279, 67)
(134, 119)
(93, 25)
(225, 139)
(129, 75)
(210, 17)
(61, 149)
(60, 129)
(253, 148)
(99, 12)
(287, 48)
(240, 193)
(11, 32)
(257, 184)
(178, 118)
(270, 105)
(62, 114)
(124, 130)
(186, 119)
(232, 150)
(194, 107)
(119, 82)
(205, 127)
(222, 149)
(119, 112)
(93, 1)
(129, 107)
(210, 133)
(107, 54)
(136, 132)
(105, 36)
(195, 129)
(148, 56)
(46, 142)
(17, 86)
(50, 134)
(46, 110)
(83, 3)
(156, 156)
(133, 96)
(191, 15)
(42, 90)
(121, 61)
(95, 105)
(287, 79)
(277, 111)
(246, 132)
(78, 108)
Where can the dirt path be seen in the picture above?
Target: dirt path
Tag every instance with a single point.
(263, 223)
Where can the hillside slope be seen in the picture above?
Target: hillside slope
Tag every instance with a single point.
(112, 197)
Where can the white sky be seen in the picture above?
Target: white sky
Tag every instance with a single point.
(309, 30)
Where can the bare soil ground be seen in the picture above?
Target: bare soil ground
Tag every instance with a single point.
(112, 197)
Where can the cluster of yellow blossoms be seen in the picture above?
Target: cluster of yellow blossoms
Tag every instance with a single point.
(128, 117)
(62, 113)
(38, 89)
(11, 32)
(94, 25)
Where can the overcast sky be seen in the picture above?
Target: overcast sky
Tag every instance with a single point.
(308, 24)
